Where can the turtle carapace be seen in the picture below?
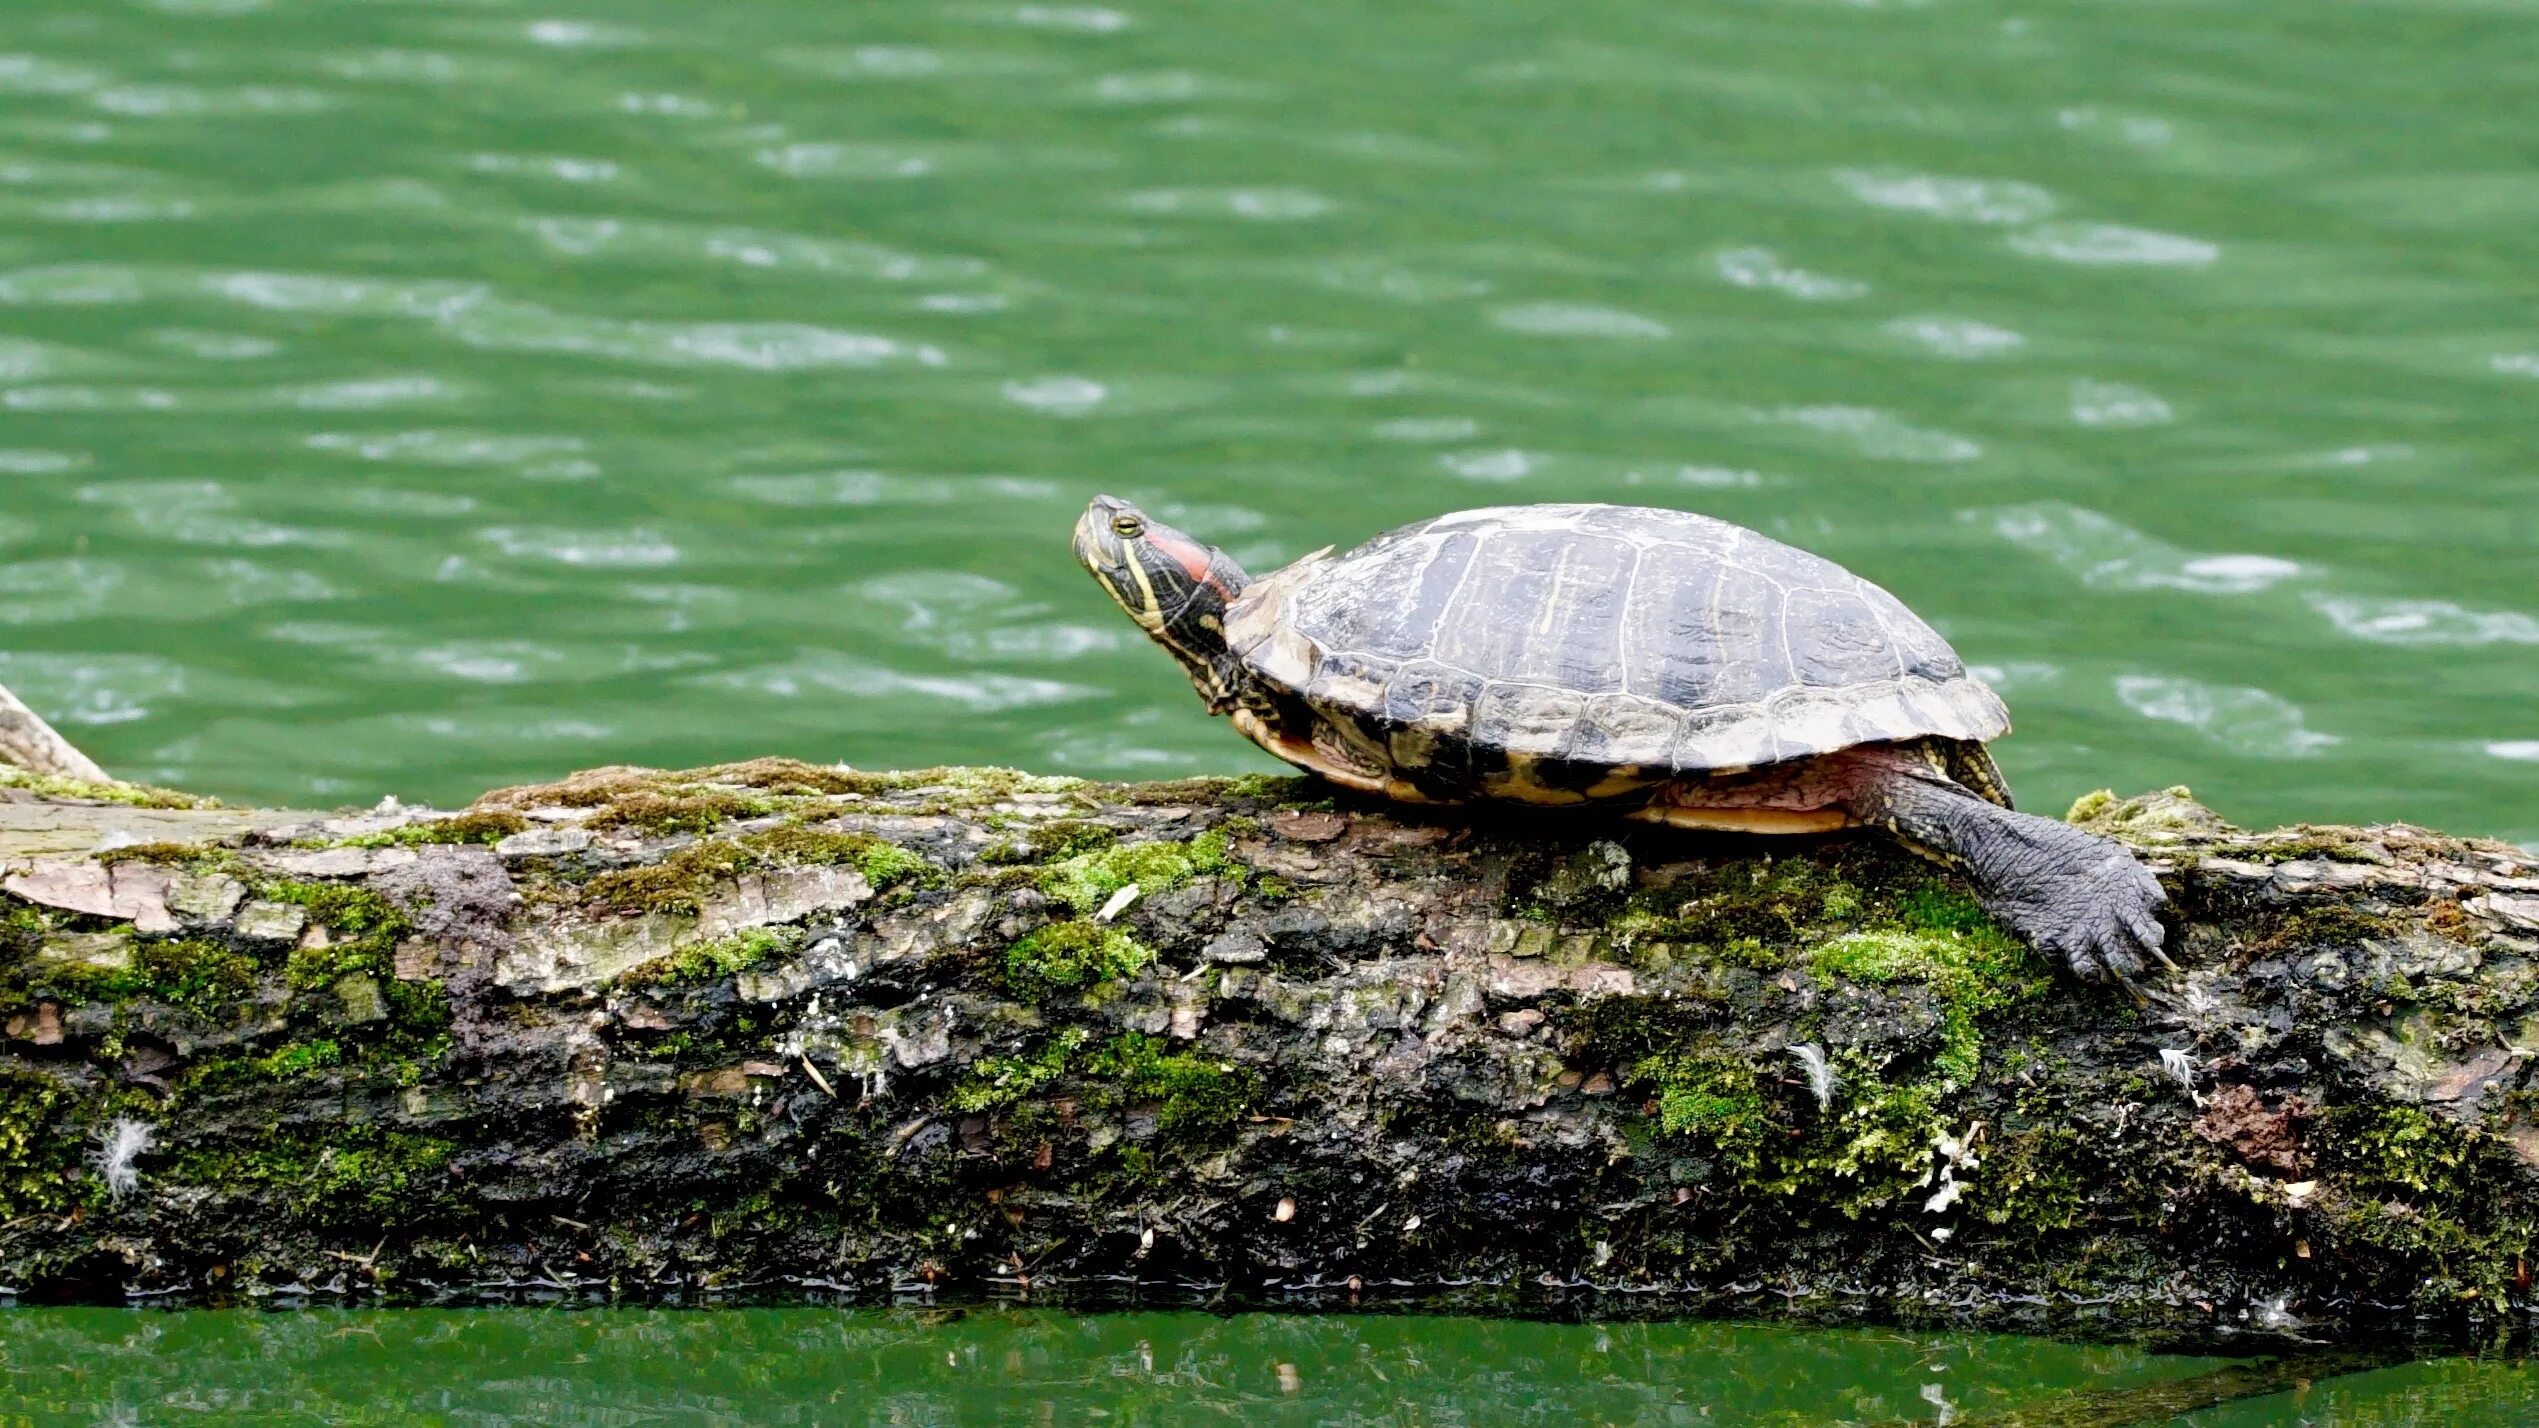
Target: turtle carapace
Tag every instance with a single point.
(1680, 669)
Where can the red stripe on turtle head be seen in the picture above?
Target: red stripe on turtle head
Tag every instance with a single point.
(1194, 559)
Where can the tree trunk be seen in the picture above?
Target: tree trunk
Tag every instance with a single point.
(783, 1030)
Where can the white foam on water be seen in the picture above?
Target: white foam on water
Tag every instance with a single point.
(2113, 245)
(1507, 464)
(1572, 319)
(1057, 396)
(1962, 339)
(635, 549)
(1881, 435)
(2424, 622)
(2244, 720)
(1259, 205)
(1762, 268)
(2518, 750)
(2113, 404)
(2107, 554)
(1959, 200)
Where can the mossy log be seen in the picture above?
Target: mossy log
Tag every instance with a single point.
(775, 1029)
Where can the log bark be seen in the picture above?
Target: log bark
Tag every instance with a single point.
(781, 1030)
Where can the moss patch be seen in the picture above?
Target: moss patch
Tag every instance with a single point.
(662, 814)
(715, 959)
(1070, 956)
(1086, 881)
(482, 825)
(686, 879)
(1194, 1097)
(355, 1178)
(35, 1154)
(135, 795)
(1944, 940)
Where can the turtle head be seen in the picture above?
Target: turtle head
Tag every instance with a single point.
(1175, 588)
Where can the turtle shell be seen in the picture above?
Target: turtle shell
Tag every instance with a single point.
(1605, 636)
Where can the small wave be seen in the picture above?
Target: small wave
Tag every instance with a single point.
(1259, 205)
(179, 101)
(2424, 622)
(2113, 404)
(1083, 19)
(2518, 750)
(2112, 245)
(1880, 435)
(1506, 464)
(824, 675)
(1427, 429)
(1057, 396)
(1963, 339)
(636, 549)
(2244, 720)
(445, 448)
(1959, 200)
(1571, 319)
(2109, 555)
(1762, 268)
(24, 461)
(1378, 278)
(2516, 364)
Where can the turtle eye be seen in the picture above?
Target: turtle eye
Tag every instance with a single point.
(1127, 527)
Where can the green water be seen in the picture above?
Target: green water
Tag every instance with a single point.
(418, 396)
(414, 396)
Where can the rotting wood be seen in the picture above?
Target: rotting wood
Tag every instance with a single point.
(775, 1028)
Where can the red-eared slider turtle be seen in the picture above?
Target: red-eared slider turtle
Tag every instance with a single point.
(1681, 669)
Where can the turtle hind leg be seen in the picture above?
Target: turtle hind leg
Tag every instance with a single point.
(2073, 895)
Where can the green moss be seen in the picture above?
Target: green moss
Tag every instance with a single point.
(2417, 1187)
(1070, 956)
(175, 855)
(1276, 788)
(662, 814)
(687, 878)
(36, 1155)
(1947, 941)
(136, 795)
(300, 1058)
(482, 825)
(357, 1178)
(2033, 1180)
(1194, 1096)
(1086, 881)
(1712, 1098)
(997, 1083)
(716, 959)
(362, 929)
(1055, 840)
(203, 977)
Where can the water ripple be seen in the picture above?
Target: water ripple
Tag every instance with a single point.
(1762, 268)
(1959, 200)
(1576, 319)
(2246, 721)
(2111, 245)
(1959, 338)
(2113, 404)
(2106, 554)
(1877, 434)
(583, 547)
(2424, 622)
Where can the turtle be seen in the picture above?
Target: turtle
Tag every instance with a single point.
(1662, 665)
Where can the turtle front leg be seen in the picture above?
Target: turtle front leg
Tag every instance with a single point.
(2073, 895)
